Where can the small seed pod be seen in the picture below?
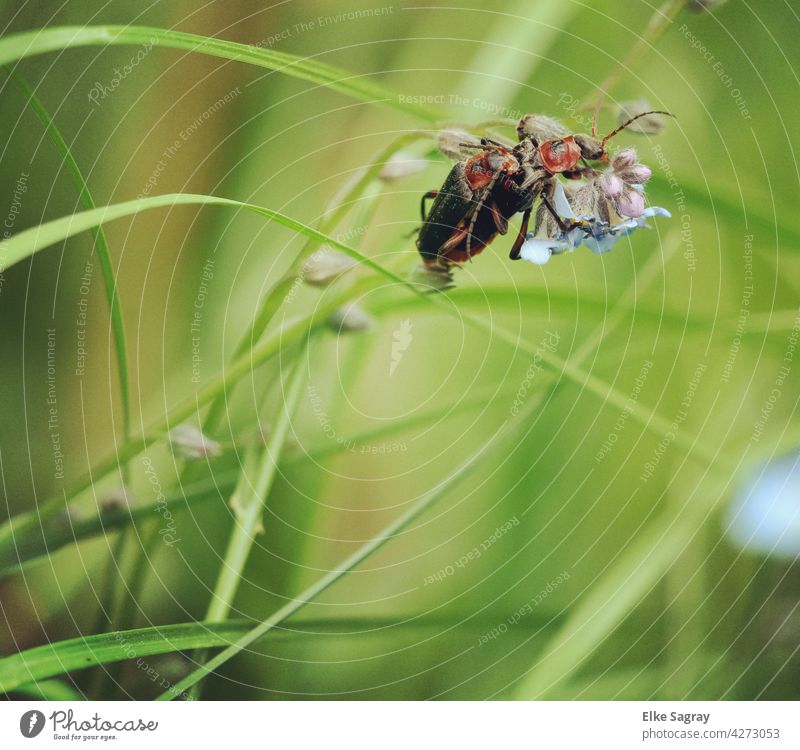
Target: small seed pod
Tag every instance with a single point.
(541, 128)
(401, 165)
(118, 500)
(650, 124)
(188, 442)
(325, 266)
(449, 142)
(350, 318)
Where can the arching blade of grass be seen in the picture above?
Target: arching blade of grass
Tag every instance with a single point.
(26, 243)
(31, 43)
(101, 244)
(42, 662)
(20, 672)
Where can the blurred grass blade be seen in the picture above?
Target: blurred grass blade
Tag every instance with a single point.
(395, 528)
(249, 499)
(614, 596)
(28, 242)
(42, 662)
(274, 298)
(40, 41)
(56, 533)
(101, 244)
(49, 690)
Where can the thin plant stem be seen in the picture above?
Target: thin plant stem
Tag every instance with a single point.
(659, 22)
(249, 499)
(499, 444)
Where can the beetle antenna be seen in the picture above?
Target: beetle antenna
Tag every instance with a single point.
(628, 122)
(596, 114)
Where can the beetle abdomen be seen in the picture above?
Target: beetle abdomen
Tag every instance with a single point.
(450, 207)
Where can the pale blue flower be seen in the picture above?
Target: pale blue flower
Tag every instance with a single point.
(764, 516)
(597, 235)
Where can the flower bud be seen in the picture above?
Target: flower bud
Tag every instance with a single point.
(625, 157)
(630, 204)
(188, 442)
(325, 266)
(118, 500)
(638, 174)
(401, 165)
(610, 184)
(350, 318)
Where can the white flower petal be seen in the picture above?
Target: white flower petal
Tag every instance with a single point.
(561, 204)
(539, 251)
(656, 211)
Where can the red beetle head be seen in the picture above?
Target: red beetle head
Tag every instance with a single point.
(560, 155)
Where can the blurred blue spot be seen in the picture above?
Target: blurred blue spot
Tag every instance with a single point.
(764, 516)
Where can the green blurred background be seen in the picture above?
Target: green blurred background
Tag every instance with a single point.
(635, 589)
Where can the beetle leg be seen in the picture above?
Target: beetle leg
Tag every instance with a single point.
(500, 221)
(523, 231)
(430, 195)
(454, 240)
(486, 191)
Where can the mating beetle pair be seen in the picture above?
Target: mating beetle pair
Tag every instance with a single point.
(484, 191)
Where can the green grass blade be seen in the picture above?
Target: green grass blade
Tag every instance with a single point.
(28, 242)
(22, 671)
(53, 659)
(612, 598)
(282, 287)
(49, 690)
(250, 496)
(56, 533)
(40, 41)
(103, 253)
(500, 445)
